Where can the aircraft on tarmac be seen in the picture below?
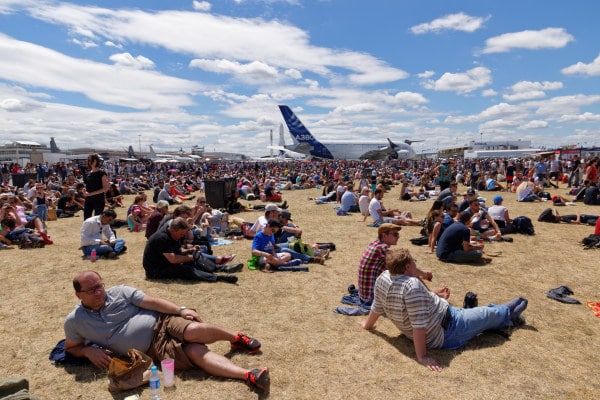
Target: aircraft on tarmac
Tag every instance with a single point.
(305, 142)
(168, 158)
(284, 153)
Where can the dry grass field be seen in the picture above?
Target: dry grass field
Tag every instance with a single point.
(312, 352)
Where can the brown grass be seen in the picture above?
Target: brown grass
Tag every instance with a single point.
(311, 351)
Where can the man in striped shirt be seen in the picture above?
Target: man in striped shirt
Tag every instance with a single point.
(425, 317)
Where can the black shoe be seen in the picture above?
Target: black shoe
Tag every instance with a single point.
(507, 239)
(227, 278)
(232, 268)
(284, 205)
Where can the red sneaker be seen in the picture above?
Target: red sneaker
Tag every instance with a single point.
(244, 342)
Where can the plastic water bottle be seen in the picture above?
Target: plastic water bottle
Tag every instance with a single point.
(154, 383)
(93, 256)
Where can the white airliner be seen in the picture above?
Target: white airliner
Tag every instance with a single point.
(168, 158)
(305, 143)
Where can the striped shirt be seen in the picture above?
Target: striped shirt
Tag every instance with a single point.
(409, 304)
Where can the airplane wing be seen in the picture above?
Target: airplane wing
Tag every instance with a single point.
(381, 154)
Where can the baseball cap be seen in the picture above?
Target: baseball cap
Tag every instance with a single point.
(272, 207)
(286, 214)
(498, 199)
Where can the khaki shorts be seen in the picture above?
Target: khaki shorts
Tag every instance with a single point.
(167, 341)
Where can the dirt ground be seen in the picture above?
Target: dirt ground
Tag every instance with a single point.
(311, 351)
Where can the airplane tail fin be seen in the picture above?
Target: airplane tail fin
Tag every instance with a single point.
(392, 144)
(130, 152)
(152, 153)
(297, 129)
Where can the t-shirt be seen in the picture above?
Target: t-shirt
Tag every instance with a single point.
(452, 239)
(154, 261)
(408, 303)
(374, 210)
(93, 181)
(348, 200)
(263, 242)
(120, 324)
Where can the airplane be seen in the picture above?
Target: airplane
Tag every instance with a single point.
(284, 152)
(305, 142)
(167, 158)
(131, 157)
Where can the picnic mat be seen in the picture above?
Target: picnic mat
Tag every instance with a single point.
(221, 242)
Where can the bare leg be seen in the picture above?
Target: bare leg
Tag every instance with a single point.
(202, 332)
(213, 363)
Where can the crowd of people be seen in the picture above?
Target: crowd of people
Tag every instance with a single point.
(179, 243)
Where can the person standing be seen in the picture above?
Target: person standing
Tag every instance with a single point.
(96, 186)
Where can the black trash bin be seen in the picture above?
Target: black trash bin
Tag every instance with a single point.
(19, 180)
(217, 191)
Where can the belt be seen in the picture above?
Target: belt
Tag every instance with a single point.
(446, 319)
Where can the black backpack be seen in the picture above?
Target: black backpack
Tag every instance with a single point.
(523, 225)
(591, 242)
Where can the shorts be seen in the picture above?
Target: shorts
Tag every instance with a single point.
(167, 341)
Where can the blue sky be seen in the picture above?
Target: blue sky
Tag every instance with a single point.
(182, 73)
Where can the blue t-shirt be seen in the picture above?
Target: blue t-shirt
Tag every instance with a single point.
(263, 242)
(452, 239)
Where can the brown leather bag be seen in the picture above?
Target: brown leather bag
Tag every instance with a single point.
(129, 374)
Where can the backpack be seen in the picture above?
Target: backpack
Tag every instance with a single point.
(523, 225)
(591, 242)
(299, 246)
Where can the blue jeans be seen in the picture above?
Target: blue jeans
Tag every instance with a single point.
(466, 323)
(305, 258)
(102, 249)
(42, 212)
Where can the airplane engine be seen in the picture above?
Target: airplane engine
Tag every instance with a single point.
(392, 156)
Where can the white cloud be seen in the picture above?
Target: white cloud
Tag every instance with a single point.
(410, 99)
(549, 38)
(426, 74)
(583, 118)
(274, 43)
(535, 124)
(591, 69)
(461, 83)
(526, 90)
(562, 105)
(108, 43)
(201, 5)
(127, 60)
(138, 89)
(293, 73)
(452, 22)
(489, 93)
(86, 44)
(255, 71)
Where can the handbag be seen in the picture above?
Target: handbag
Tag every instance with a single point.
(129, 374)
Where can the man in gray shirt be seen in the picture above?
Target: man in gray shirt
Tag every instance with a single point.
(122, 317)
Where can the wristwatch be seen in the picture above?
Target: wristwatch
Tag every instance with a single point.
(181, 309)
